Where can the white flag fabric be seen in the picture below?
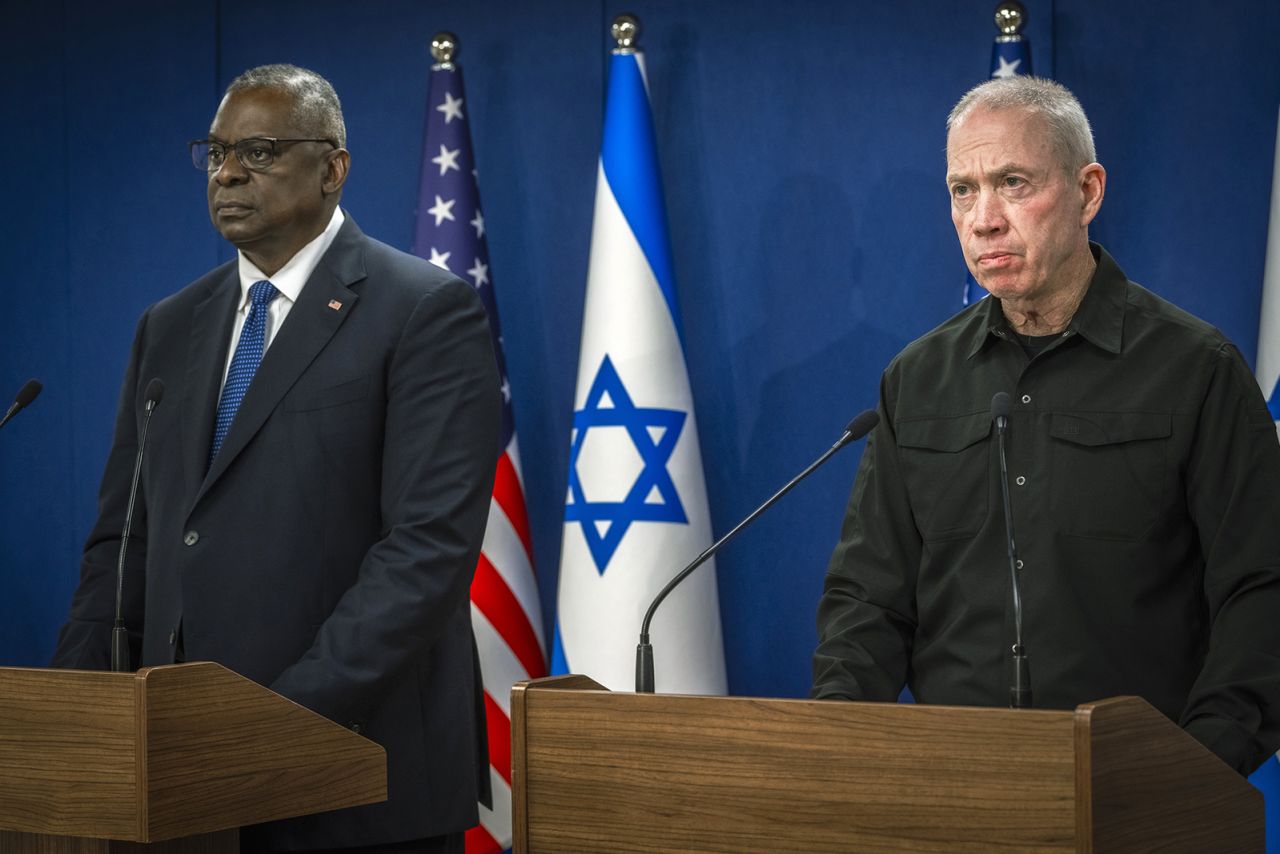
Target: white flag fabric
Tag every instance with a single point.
(1269, 328)
(636, 510)
(1267, 778)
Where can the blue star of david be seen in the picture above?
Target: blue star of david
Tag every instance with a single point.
(638, 505)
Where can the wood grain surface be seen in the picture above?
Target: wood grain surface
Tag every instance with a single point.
(165, 753)
(223, 751)
(223, 842)
(67, 753)
(595, 771)
(604, 772)
(1144, 785)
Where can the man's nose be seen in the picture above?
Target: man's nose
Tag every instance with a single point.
(988, 213)
(231, 171)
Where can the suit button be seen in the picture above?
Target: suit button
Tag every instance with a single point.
(357, 729)
(173, 638)
(191, 538)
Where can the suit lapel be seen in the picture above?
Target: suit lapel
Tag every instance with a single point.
(322, 307)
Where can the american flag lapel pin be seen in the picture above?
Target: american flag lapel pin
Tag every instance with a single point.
(334, 304)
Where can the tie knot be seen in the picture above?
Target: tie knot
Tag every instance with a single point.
(262, 293)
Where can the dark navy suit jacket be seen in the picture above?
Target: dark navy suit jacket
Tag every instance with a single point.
(328, 551)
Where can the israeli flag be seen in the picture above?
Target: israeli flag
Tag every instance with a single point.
(636, 510)
(1269, 328)
(1267, 778)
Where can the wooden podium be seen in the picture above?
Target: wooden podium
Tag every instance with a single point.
(177, 756)
(595, 771)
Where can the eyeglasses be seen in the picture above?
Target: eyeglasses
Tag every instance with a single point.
(255, 154)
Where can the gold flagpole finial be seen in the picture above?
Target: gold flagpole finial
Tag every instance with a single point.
(1011, 17)
(443, 49)
(625, 30)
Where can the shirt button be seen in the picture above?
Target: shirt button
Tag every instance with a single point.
(1021, 481)
(1026, 398)
(1019, 563)
(191, 538)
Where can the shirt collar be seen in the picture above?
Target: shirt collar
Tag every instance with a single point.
(1099, 319)
(290, 279)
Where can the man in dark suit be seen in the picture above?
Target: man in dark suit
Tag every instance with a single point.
(317, 478)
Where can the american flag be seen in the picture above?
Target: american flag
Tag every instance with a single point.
(505, 612)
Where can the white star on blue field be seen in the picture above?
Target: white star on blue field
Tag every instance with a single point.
(642, 424)
(1007, 69)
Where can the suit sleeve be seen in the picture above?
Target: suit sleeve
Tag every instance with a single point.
(867, 614)
(1233, 484)
(441, 439)
(84, 641)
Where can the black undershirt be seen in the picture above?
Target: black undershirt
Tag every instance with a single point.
(1034, 345)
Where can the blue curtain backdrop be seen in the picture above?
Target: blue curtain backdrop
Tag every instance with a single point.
(801, 148)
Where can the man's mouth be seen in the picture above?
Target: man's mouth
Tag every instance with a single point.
(232, 208)
(995, 259)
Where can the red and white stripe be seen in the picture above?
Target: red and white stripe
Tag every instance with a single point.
(507, 620)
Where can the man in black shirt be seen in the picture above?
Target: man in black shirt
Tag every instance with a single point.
(1143, 464)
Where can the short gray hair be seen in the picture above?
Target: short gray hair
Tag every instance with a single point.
(316, 105)
(1069, 129)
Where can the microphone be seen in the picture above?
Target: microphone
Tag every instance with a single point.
(30, 391)
(862, 424)
(1020, 667)
(119, 635)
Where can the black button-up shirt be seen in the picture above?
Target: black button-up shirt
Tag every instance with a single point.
(1144, 472)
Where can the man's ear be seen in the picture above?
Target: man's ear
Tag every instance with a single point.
(1093, 186)
(337, 164)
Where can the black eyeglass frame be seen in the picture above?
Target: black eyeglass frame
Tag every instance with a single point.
(240, 148)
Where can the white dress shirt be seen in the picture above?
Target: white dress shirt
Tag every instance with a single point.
(288, 280)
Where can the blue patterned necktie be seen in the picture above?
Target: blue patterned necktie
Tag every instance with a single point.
(245, 362)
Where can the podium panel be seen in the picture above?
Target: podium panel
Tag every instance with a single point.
(187, 752)
(13, 842)
(595, 771)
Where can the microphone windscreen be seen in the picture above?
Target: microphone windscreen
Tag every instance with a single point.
(29, 392)
(155, 392)
(862, 424)
(1000, 405)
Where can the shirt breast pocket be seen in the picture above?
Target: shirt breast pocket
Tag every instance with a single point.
(1109, 472)
(946, 466)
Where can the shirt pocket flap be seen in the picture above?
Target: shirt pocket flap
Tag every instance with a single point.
(1094, 429)
(950, 435)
